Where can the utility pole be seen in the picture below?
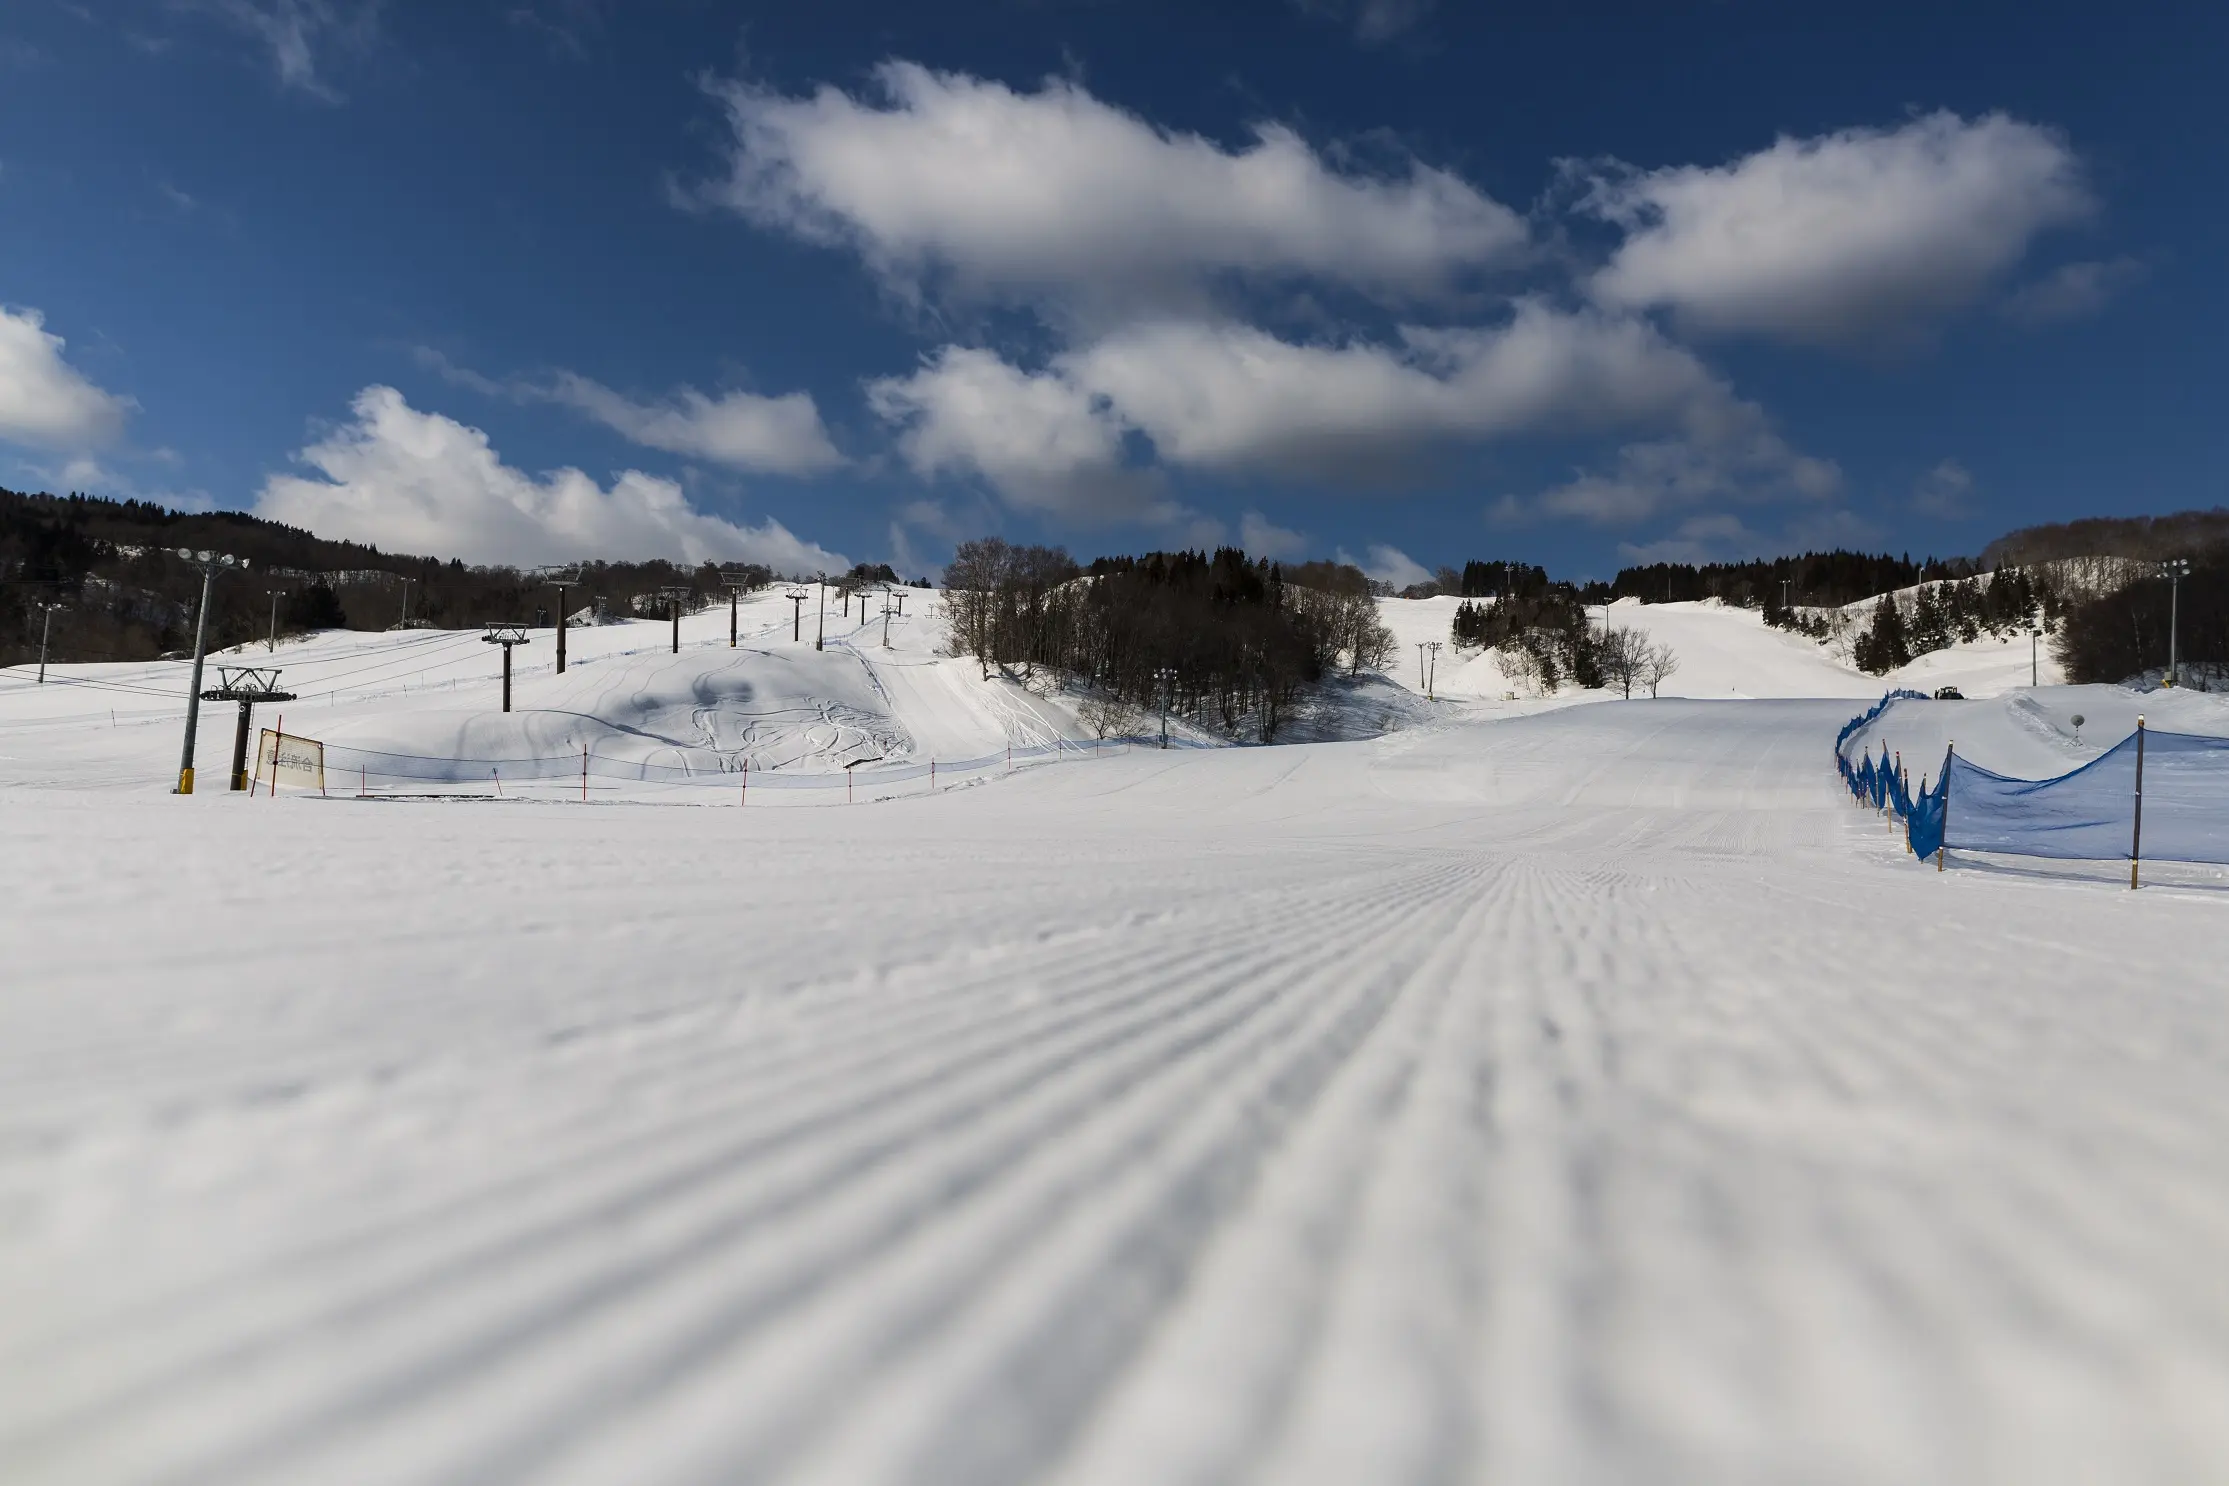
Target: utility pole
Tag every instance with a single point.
(1422, 683)
(246, 685)
(208, 562)
(2174, 570)
(820, 632)
(45, 626)
(559, 578)
(506, 635)
(1432, 674)
(734, 583)
(273, 646)
(797, 597)
(674, 596)
(1167, 677)
(2033, 669)
(1784, 584)
(405, 624)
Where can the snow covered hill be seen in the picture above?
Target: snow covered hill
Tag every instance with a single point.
(1723, 651)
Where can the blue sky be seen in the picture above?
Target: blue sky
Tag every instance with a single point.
(523, 281)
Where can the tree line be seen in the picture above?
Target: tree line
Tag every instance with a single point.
(124, 594)
(1230, 642)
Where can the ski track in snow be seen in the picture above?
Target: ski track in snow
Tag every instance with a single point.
(1595, 1097)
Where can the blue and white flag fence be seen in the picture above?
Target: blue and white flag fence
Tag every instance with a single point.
(2153, 795)
(377, 772)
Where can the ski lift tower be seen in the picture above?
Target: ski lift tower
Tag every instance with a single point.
(506, 635)
(246, 685)
(674, 596)
(797, 597)
(734, 583)
(559, 578)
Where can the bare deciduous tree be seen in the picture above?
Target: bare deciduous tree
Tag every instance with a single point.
(1623, 654)
(1107, 715)
(1661, 662)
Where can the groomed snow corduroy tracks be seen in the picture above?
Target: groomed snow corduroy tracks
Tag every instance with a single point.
(1590, 1098)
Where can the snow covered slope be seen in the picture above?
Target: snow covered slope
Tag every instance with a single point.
(1724, 652)
(1590, 1097)
(777, 702)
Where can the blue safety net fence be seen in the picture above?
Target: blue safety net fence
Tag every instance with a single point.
(2154, 795)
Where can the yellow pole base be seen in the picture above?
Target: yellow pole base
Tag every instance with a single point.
(185, 780)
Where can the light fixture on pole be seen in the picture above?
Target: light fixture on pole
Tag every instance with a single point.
(1432, 673)
(2174, 570)
(208, 562)
(404, 622)
(1167, 677)
(506, 635)
(45, 626)
(885, 617)
(246, 685)
(560, 578)
(1421, 682)
(273, 644)
(734, 583)
(674, 596)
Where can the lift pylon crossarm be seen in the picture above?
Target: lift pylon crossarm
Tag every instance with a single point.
(506, 634)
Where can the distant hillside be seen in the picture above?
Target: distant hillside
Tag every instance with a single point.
(2184, 534)
(124, 595)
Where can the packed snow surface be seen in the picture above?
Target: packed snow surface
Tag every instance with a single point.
(1592, 1095)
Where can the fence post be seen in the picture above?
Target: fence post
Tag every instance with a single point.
(1942, 843)
(2136, 839)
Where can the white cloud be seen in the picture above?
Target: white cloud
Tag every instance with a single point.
(743, 430)
(767, 435)
(1055, 193)
(2071, 291)
(294, 31)
(44, 401)
(1263, 537)
(1386, 564)
(1850, 238)
(1945, 491)
(1231, 397)
(419, 482)
(1042, 442)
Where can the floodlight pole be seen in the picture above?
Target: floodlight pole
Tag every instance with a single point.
(2174, 571)
(1420, 681)
(45, 626)
(273, 645)
(886, 619)
(405, 624)
(1433, 674)
(1167, 678)
(820, 628)
(208, 562)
